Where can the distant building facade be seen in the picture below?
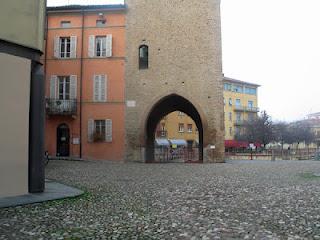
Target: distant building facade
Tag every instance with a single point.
(240, 104)
(21, 97)
(178, 125)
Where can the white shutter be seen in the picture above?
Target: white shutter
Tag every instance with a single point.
(103, 88)
(73, 46)
(53, 87)
(56, 52)
(96, 88)
(90, 130)
(109, 45)
(91, 50)
(108, 130)
(73, 87)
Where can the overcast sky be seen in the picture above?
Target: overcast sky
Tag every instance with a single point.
(274, 43)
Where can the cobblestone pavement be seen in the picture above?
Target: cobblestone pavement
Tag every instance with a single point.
(236, 200)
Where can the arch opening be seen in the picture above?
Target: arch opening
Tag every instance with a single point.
(167, 105)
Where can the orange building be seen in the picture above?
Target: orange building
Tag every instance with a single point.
(84, 70)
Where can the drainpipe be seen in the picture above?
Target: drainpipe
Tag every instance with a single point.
(81, 76)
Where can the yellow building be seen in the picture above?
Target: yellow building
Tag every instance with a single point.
(178, 126)
(240, 104)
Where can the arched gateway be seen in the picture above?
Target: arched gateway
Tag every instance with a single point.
(179, 69)
(163, 107)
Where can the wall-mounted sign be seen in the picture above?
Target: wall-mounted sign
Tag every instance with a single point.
(75, 141)
(131, 103)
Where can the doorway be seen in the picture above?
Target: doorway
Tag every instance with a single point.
(63, 141)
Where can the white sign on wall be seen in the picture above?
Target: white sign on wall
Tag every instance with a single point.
(75, 141)
(131, 103)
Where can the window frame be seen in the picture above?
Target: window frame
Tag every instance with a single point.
(65, 82)
(181, 127)
(143, 57)
(64, 42)
(102, 40)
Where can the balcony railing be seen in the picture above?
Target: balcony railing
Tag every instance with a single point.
(61, 107)
(246, 109)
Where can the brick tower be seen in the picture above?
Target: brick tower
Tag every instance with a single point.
(173, 63)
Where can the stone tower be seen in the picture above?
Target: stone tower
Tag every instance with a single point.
(180, 71)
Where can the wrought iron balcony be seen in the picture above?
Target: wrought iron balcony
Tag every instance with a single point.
(61, 107)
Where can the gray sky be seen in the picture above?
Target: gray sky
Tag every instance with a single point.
(275, 43)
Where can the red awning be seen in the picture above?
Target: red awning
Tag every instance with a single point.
(239, 144)
(235, 144)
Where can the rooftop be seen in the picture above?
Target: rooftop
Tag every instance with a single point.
(232, 80)
(76, 8)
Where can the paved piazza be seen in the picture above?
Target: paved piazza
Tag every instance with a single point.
(236, 200)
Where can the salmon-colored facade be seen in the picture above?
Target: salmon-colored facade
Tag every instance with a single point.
(84, 69)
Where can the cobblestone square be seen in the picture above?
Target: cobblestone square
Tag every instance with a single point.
(235, 200)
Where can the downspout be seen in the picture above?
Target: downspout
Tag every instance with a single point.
(81, 76)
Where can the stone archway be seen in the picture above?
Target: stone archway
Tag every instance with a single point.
(163, 107)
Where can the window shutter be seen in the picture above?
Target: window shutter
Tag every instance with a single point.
(73, 87)
(56, 52)
(103, 88)
(109, 45)
(90, 130)
(73, 46)
(108, 130)
(96, 88)
(53, 87)
(91, 49)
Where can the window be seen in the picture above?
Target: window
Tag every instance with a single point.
(143, 57)
(181, 127)
(238, 102)
(237, 131)
(251, 91)
(64, 88)
(100, 130)
(65, 47)
(230, 131)
(227, 87)
(100, 88)
(230, 101)
(237, 88)
(230, 116)
(189, 128)
(65, 24)
(238, 116)
(250, 104)
(101, 23)
(251, 116)
(100, 46)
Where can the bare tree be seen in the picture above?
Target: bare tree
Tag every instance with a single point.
(259, 129)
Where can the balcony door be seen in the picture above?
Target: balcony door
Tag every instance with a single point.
(63, 141)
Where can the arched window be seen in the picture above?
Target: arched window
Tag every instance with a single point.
(143, 57)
